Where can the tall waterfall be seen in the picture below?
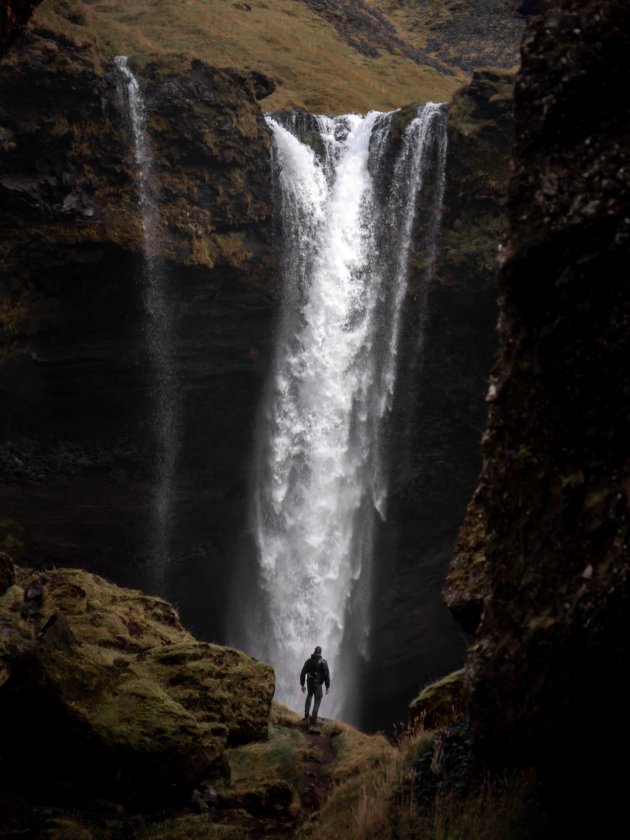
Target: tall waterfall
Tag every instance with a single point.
(347, 189)
(159, 330)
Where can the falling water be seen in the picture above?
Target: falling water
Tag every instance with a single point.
(347, 191)
(158, 329)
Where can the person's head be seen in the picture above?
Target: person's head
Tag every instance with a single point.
(317, 651)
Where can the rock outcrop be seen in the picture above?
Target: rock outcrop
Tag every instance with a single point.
(77, 451)
(541, 570)
(109, 698)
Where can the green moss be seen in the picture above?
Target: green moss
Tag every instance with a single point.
(128, 672)
(439, 703)
(281, 756)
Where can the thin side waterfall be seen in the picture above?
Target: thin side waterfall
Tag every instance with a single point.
(347, 190)
(159, 329)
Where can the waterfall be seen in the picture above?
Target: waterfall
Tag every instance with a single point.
(347, 189)
(159, 331)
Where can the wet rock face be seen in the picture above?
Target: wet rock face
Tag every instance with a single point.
(439, 406)
(542, 557)
(77, 448)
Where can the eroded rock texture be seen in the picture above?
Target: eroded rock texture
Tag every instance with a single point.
(542, 568)
(78, 451)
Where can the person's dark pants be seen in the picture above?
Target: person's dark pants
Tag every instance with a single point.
(314, 690)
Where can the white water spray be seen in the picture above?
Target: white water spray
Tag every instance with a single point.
(348, 195)
(158, 330)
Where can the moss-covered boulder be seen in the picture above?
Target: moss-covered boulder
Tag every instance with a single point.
(106, 687)
(440, 703)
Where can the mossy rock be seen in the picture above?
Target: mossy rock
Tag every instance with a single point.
(106, 686)
(440, 703)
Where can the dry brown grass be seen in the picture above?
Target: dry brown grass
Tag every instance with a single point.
(373, 797)
(311, 64)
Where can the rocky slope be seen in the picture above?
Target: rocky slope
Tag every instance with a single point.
(105, 685)
(541, 570)
(325, 56)
(460, 35)
(78, 455)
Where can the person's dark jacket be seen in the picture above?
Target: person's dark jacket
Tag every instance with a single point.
(316, 671)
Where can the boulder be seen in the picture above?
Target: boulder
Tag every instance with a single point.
(110, 698)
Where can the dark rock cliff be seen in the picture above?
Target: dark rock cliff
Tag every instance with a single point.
(14, 15)
(439, 408)
(541, 570)
(77, 451)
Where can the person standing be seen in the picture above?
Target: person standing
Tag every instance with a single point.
(315, 672)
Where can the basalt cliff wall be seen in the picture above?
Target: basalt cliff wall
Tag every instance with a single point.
(77, 458)
(541, 568)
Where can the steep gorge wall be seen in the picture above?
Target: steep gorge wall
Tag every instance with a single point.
(541, 569)
(439, 409)
(77, 458)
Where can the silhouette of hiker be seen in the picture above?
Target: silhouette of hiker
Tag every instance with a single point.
(316, 672)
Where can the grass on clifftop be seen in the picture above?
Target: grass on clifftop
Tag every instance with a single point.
(313, 67)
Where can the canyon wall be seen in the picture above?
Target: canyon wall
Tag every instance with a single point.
(541, 568)
(77, 458)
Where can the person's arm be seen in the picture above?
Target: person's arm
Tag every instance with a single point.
(326, 677)
(303, 676)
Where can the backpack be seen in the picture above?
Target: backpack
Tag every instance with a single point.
(316, 670)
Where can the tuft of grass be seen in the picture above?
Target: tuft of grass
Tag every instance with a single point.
(355, 752)
(374, 796)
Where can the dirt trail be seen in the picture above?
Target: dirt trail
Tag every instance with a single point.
(317, 784)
